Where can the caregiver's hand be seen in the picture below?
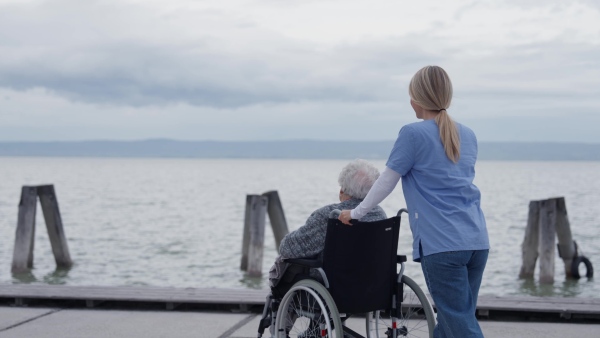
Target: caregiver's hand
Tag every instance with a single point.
(345, 217)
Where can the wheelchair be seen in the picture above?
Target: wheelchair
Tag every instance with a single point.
(356, 276)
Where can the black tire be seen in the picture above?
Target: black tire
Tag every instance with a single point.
(304, 308)
(417, 319)
(575, 267)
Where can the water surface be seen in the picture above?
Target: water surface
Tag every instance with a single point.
(179, 222)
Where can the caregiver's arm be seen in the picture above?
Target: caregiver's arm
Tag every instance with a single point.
(384, 185)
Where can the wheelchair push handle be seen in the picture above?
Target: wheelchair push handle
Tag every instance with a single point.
(335, 214)
(401, 211)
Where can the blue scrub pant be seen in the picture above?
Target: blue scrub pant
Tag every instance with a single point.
(453, 279)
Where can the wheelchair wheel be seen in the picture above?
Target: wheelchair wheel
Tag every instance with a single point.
(417, 318)
(307, 310)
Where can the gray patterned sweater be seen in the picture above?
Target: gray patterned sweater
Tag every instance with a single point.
(309, 239)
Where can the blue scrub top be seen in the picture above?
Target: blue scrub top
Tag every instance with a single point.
(443, 203)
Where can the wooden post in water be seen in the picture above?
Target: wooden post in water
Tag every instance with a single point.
(246, 236)
(25, 234)
(254, 224)
(258, 212)
(54, 225)
(529, 247)
(566, 246)
(547, 241)
(24, 238)
(547, 221)
(254, 229)
(276, 216)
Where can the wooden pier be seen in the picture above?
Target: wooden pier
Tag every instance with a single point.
(246, 300)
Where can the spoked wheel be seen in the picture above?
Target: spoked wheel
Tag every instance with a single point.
(417, 319)
(307, 310)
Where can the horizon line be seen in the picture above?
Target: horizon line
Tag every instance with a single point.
(269, 141)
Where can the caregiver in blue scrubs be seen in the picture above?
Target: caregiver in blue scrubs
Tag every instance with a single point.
(436, 160)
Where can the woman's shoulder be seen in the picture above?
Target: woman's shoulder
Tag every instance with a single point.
(420, 130)
(465, 131)
(419, 125)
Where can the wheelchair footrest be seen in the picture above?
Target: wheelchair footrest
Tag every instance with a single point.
(264, 323)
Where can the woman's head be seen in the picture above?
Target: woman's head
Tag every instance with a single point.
(430, 90)
(357, 178)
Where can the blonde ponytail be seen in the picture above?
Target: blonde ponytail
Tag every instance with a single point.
(431, 89)
(448, 135)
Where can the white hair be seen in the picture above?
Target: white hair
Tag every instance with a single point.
(357, 178)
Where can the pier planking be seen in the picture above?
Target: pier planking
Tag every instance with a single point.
(548, 308)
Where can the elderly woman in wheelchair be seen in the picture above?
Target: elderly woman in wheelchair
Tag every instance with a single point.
(328, 272)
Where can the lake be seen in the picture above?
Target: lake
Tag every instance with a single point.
(179, 222)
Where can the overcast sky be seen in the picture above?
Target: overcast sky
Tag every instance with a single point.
(523, 70)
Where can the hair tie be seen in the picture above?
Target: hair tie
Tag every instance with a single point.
(439, 111)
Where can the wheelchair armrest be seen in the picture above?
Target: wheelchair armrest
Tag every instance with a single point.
(307, 262)
(400, 259)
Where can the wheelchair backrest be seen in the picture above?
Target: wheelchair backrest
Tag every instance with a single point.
(360, 264)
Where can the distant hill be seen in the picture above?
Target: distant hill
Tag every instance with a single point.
(300, 149)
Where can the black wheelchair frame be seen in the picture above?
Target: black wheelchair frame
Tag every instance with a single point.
(314, 293)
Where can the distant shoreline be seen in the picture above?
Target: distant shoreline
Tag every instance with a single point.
(294, 149)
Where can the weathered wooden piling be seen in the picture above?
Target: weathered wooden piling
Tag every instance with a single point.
(246, 235)
(254, 234)
(547, 233)
(530, 243)
(54, 224)
(276, 216)
(567, 249)
(25, 233)
(254, 229)
(24, 237)
(547, 221)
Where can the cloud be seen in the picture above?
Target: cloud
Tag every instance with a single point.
(40, 115)
(239, 66)
(286, 70)
(127, 54)
(93, 53)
